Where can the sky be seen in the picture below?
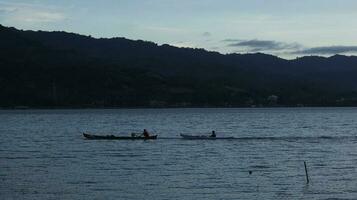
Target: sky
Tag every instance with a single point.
(285, 28)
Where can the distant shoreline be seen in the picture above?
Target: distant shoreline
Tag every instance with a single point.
(170, 107)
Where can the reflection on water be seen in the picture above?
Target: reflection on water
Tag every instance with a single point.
(43, 154)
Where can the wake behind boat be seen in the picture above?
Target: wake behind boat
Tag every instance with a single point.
(112, 137)
(203, 137)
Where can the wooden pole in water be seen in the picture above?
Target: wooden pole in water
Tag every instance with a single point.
(307, 175)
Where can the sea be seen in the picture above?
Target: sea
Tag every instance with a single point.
(43, 154)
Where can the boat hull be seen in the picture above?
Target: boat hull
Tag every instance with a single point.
(203, 137)
(112, 137)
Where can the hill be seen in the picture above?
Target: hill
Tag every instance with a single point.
(60, 69)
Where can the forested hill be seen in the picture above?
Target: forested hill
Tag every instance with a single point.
(59, 69)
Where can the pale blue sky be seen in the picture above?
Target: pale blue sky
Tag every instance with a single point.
(286, 28)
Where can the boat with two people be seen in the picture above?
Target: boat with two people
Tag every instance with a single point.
(134, 136)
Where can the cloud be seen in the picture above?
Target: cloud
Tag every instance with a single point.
(284, 48)
(328, 50)
(262, 45)
(7, 9)
(165, 29)
(29, 13)
(231, 40)
(183, 44)
(207, 34)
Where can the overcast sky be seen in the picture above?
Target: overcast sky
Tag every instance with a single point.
(287, 28)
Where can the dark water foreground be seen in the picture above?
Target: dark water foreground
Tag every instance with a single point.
(44, 156)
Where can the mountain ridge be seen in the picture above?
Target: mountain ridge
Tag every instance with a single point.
(58, 68)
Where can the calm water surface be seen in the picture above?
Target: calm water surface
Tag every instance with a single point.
(44, 156)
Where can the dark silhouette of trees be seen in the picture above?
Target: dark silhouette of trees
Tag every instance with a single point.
(59, 69)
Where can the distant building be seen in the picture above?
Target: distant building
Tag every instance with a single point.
(272, 99)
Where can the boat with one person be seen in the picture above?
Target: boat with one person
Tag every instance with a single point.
(204, 137)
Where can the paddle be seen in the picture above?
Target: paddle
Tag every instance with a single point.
(141, 135)
(137, 134)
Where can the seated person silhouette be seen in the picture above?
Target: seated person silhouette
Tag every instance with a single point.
(213, 134)
(146, 133)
